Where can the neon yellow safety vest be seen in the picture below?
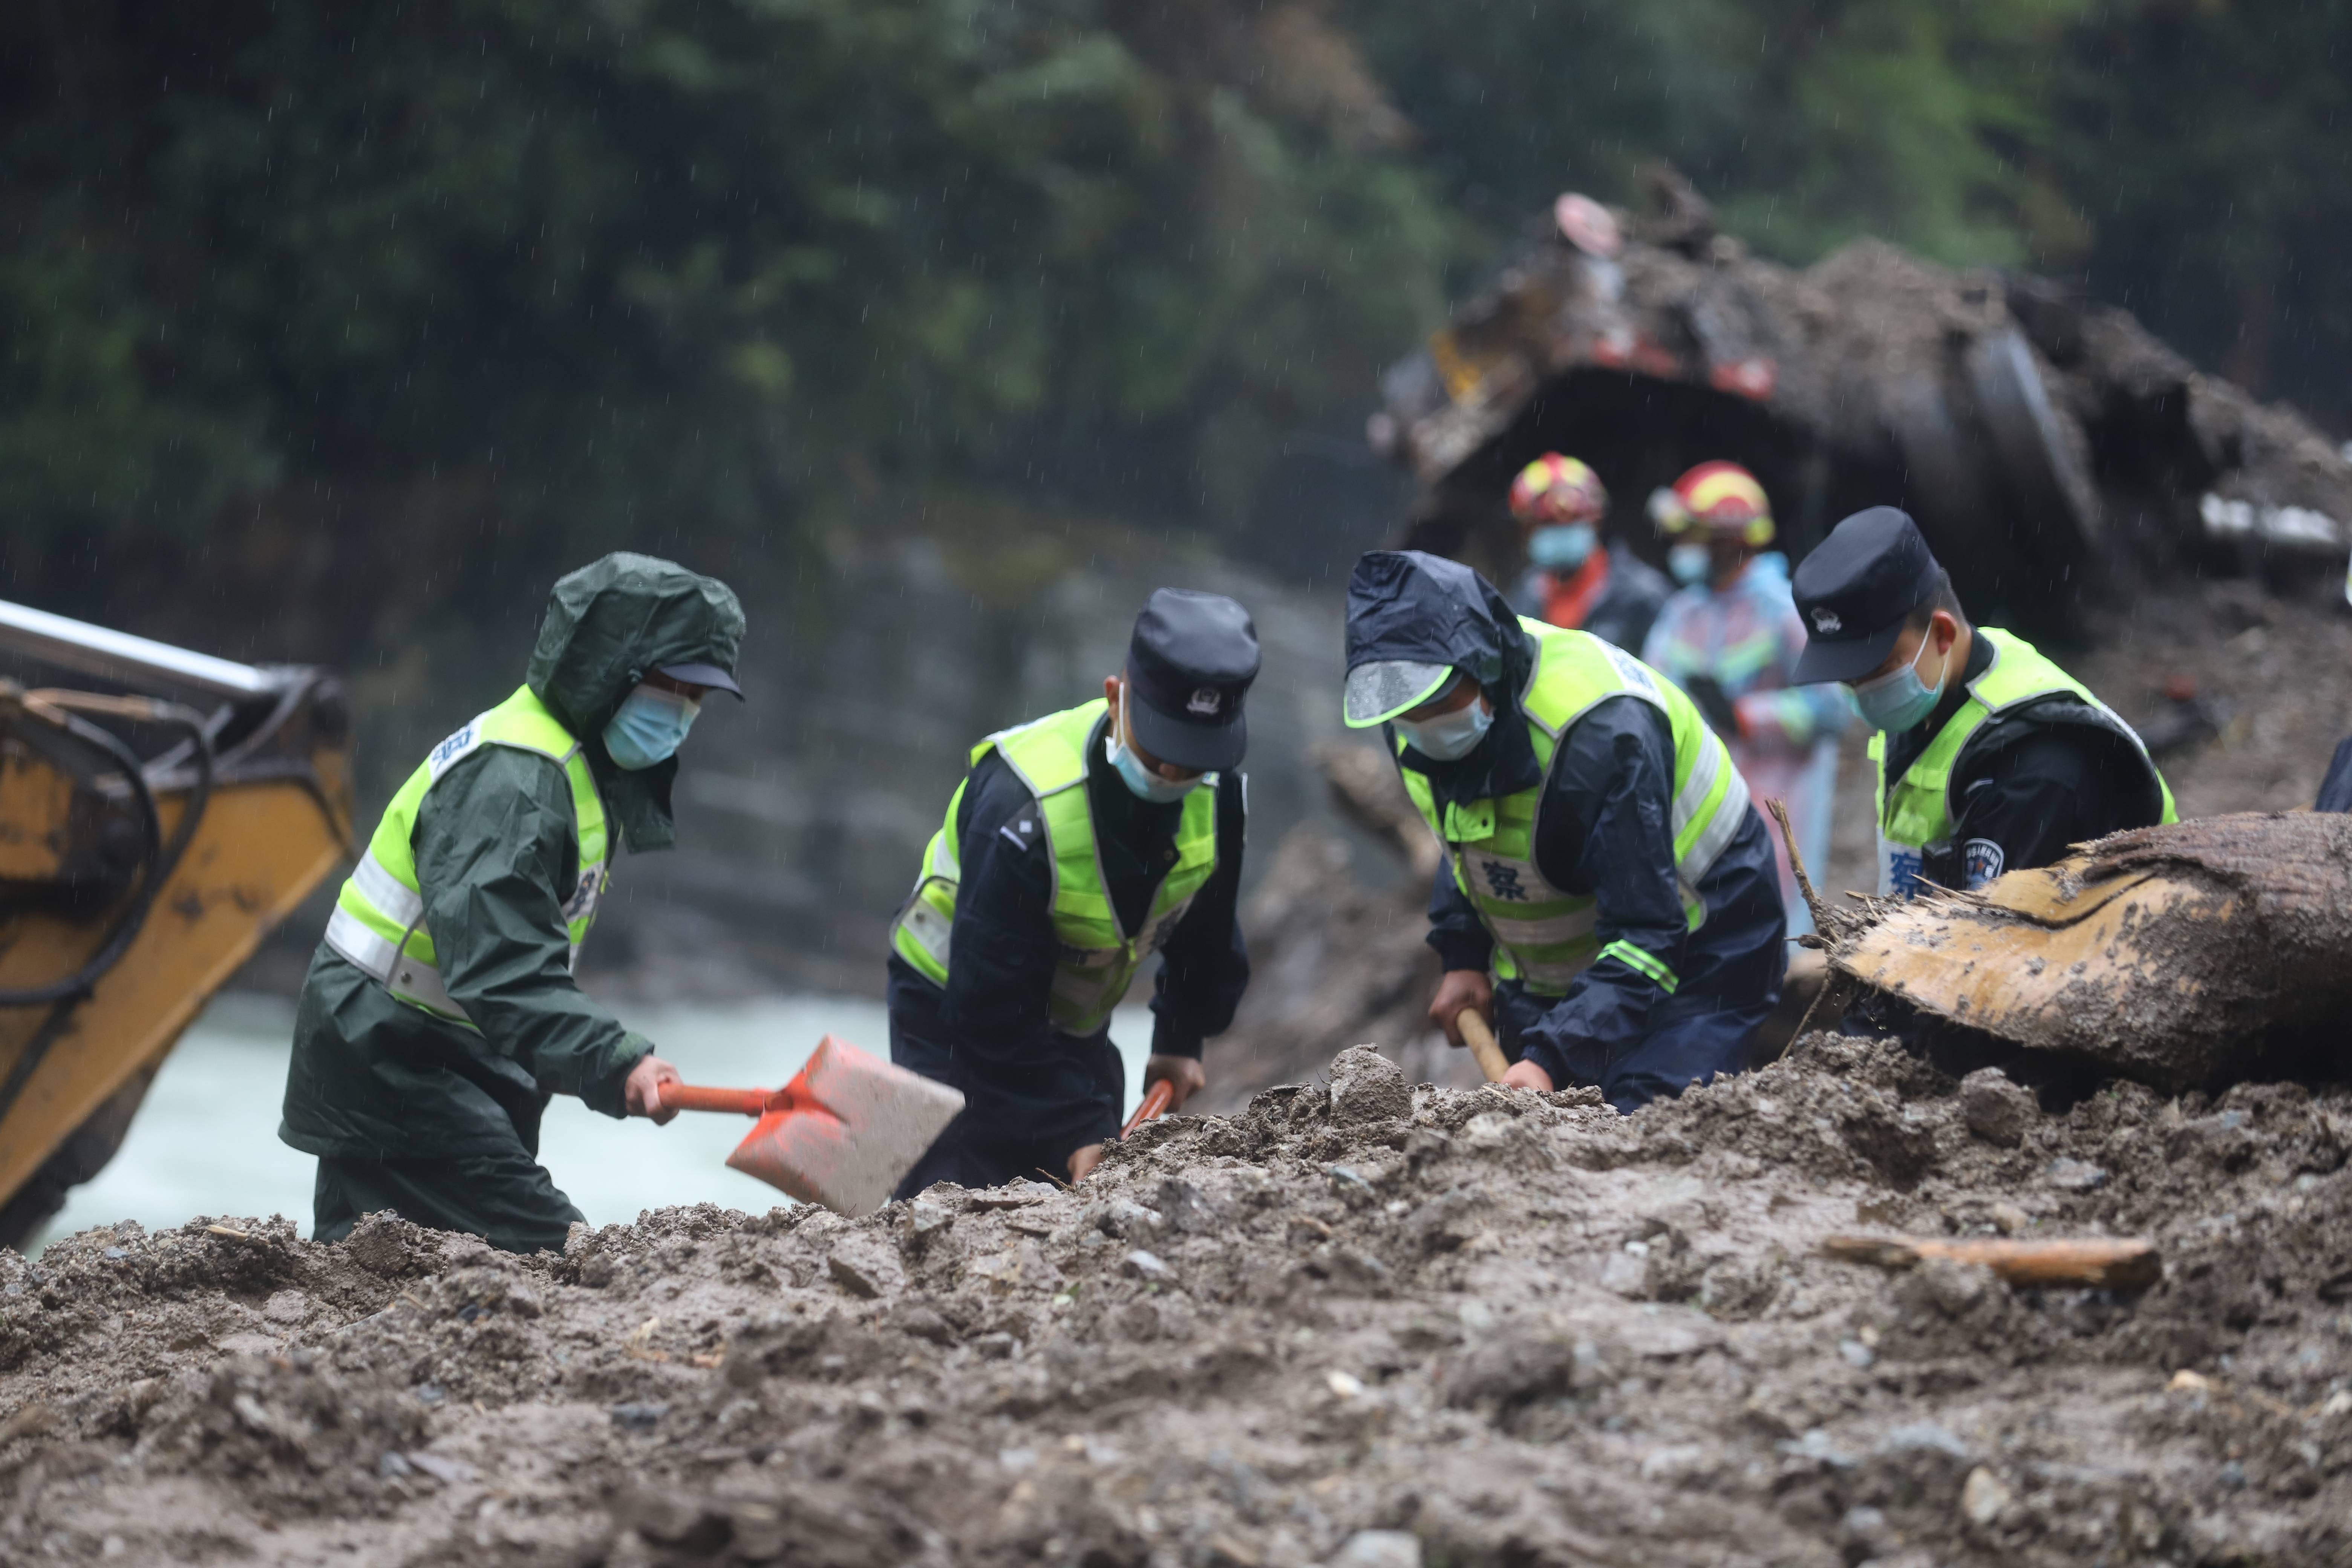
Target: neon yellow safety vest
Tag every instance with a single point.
(1545, 938)
(1914, 818)
(379, 919)
(1098, 959)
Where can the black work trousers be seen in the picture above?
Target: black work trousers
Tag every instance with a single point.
(508, 1199)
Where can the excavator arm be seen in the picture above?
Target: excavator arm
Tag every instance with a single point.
(158, 817)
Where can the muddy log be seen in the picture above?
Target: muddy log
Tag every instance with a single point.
(2185, 956)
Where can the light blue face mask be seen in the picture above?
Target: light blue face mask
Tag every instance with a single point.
(1691, 564)
(1449, 737)
(1895, 703)
(1141, 781)
(648, 727)
(1563, 546)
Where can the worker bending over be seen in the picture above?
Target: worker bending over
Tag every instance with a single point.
(1079, 845)
(1731, 639)
(1604, 863)
(1576, 577)
(1990, 758)
(440, 1012)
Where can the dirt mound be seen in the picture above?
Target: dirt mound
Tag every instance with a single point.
(1358, 1322)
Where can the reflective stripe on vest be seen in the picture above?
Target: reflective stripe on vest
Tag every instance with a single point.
(1914, 819)
(1544, 937)
(379, 919)
(1098, 959)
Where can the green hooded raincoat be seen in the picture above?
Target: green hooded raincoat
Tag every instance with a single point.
(375, 1080)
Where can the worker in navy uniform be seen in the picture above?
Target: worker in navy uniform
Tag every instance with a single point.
(1990, 758)
(1077, 847)
(1608, 899)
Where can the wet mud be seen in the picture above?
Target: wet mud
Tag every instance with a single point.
(1360, 1321)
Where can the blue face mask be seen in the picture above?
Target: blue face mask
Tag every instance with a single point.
(1449, 737)
(1141, 781)
(1562, 547)
(1895, 703)
(1691, 564)
(648, 727)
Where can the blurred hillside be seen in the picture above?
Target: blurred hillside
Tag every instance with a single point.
(944, 328)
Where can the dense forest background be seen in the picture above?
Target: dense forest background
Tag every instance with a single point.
(327, 325)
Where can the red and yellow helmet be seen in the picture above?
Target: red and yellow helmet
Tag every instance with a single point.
(1554, 488)
(1721, 498)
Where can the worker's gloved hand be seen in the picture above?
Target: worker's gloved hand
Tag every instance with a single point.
(1085, 1160)
(1461, 988)
(1526, 1074)
(637, 1091)
(1714, 704)
(1185, 1077)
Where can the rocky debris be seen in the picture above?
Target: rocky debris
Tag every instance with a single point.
(1996, 1109)
(2041, 439)
(1476, 1327)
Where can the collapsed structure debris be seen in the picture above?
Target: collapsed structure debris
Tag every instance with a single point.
(2044, 443)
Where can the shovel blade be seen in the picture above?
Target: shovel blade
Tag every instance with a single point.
(854, 1127)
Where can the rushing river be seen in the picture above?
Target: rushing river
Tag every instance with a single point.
(206, 1140)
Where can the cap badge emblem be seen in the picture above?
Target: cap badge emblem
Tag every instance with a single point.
(1204, 700)
(1826, 621)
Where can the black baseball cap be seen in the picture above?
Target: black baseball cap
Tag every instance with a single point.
(1854, 592)
(703, 675)
(1189, 667)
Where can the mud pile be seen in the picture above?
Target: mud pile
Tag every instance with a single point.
(1361, 1323)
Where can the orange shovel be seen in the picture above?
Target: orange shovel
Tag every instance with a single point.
(843, 1133)
(1155, 1101)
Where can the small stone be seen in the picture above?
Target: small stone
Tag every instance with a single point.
(1141, 1265)
(2074, 1175)
(1126, 1218)
(2337, 1404)
(449, 1471)
(862, 1268)
(2011, 1220)
(1955, 1286)
(1983, 1498)
(394, 1466)
(1996, 1109)
(2187, 1381)
(287, 1306)
(1367, 1086)
(2232, 1476)
(1347, 1385)
(1626, 1274)
(1378, 1549)
(1856, 1354)
(634, 1417)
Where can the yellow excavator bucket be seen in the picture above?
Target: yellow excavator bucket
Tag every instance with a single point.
(159, 813)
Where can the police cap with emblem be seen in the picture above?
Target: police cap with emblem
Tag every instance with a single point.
(1854, 592)
(1189, 665)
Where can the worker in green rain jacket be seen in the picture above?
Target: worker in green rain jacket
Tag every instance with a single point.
(440, 1013)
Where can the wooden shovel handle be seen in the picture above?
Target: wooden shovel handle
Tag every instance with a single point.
(695, 1097)
(2089, 1262)
(1480, 1038)
(1155, 1099)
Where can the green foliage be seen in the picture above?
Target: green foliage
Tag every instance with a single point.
(1809, 121)
(655, 266)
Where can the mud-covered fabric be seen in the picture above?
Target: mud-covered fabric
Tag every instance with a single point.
(496, 846)
(506, 1199)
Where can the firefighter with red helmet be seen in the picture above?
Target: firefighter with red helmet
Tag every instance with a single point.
(1731, 637)
(1576, 578)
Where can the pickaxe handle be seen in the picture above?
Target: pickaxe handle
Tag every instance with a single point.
(1155, 1101)
(695, 1097)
